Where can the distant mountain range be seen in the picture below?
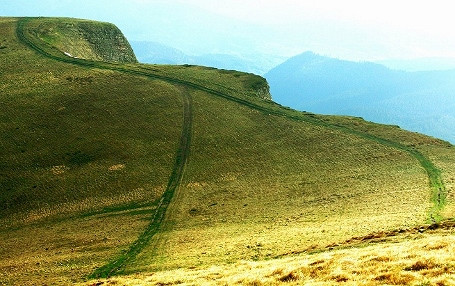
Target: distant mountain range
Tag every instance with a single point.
(418, 101)
(418, 94)
(156, 53)
(153, 52)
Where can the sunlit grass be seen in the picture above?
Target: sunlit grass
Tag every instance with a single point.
(417, 259)
(86, 152)
(267, 186)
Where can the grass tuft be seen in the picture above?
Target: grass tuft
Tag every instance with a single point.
(421, 265)
(290, 277)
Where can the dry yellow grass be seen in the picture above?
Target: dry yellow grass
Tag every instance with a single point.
(58, 170)
(411, 259)
(116, 167)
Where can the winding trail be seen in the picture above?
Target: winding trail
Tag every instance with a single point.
(181, 159)
(181, 156)
(436, 183)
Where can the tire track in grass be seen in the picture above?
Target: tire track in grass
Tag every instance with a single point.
(436, 184)
(181, 158)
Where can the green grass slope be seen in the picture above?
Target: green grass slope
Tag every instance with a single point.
(111, 168)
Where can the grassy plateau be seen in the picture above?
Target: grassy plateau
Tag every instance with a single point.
(115, 172)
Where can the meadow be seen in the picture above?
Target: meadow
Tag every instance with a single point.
(90, 147)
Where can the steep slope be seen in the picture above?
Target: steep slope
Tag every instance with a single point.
(419, 101)
(85, 39)
(99, 179)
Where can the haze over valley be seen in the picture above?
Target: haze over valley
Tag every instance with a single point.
(419, 101)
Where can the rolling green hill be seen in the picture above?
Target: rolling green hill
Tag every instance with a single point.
(112, 167)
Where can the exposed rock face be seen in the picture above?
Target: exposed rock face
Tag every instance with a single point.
(86, 39)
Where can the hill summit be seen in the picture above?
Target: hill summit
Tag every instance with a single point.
(85, 39)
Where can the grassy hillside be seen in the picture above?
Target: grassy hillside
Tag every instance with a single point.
(64, 128)
(122, 168)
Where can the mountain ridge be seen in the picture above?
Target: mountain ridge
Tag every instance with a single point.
(418, 101)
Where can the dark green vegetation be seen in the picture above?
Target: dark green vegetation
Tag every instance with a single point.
(419, 101)
(99, 166)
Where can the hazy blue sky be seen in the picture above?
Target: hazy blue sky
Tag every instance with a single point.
(348, 29)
